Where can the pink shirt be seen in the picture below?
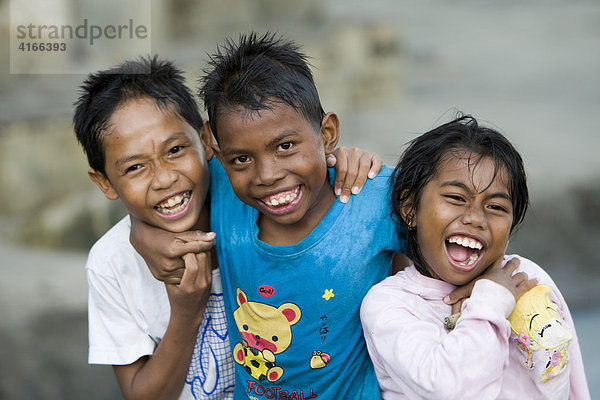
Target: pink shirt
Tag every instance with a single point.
(415, 357)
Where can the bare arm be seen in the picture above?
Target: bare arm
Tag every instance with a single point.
(162, 375)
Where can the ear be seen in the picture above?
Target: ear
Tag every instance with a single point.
(241, 297)
(215, 150)
(291, 312)
(408, 214)
(206, 136)
(103, 183)
(330, 131)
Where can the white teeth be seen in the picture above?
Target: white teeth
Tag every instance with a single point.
(282, 199)
(465, 242)
(175, 200)
(168, 206)
(472, 260)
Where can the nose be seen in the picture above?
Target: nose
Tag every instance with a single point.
(268, 171)
(474, 216)
(164, 176)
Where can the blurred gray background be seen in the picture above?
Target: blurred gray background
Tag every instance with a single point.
(391, 69)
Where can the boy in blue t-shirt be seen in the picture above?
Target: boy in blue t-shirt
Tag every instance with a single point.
(295, 262)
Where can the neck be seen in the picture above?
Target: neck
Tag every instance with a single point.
(203, 223)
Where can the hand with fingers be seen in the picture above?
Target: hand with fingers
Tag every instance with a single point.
(352, 168)
(517, 284)
(163, 251)
(188, 298)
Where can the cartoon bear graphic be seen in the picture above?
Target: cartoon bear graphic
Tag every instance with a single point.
(266, 331)
(541, 332)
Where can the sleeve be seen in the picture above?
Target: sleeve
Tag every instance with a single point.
(426, 361)
(114, 336)
(578, 383)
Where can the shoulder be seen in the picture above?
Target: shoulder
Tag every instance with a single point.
(390, 301)
(532, 269)
(112, 246)
(390, 290)
(376, 193)
(382, 180)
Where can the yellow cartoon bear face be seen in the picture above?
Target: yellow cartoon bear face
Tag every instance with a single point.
(536, 317)
(541, 333)
(265, 327)
(266, 331)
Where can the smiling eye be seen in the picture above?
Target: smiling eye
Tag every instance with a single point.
(286, 145)
(175, 149)
(133, 168)
(455, 197)
(241, 160)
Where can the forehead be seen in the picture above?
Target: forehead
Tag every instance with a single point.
(139, 123)
(478, 172)
(142, 115)
(277, 117)
(138, 111)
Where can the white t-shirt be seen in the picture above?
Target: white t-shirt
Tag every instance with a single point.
(129, 311)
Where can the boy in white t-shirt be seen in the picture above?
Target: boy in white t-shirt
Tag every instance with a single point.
(143, 135)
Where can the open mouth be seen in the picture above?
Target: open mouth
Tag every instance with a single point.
(463, 251)
(283, 202)
(173, 205)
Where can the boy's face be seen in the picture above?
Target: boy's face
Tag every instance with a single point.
(463, 219)
(276, 163)
(155, 163)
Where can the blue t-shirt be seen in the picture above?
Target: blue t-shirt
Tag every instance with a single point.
(293, 311)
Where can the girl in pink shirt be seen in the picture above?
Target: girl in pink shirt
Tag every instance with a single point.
(459, 191)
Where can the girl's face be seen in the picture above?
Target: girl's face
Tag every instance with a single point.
(463, 219)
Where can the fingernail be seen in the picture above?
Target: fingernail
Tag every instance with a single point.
(447, 299)
(371, 175)
(344, 199)
(338, 192)
(211, 235)
(355, 190)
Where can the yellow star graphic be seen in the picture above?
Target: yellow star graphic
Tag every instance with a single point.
(328, 294)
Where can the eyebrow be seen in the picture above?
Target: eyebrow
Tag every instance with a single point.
(282, 136)
(127, 159)
(170, 139)
(461, 185)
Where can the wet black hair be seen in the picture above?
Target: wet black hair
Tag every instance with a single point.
(424, 155)
(254, 73)
(103, 92)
